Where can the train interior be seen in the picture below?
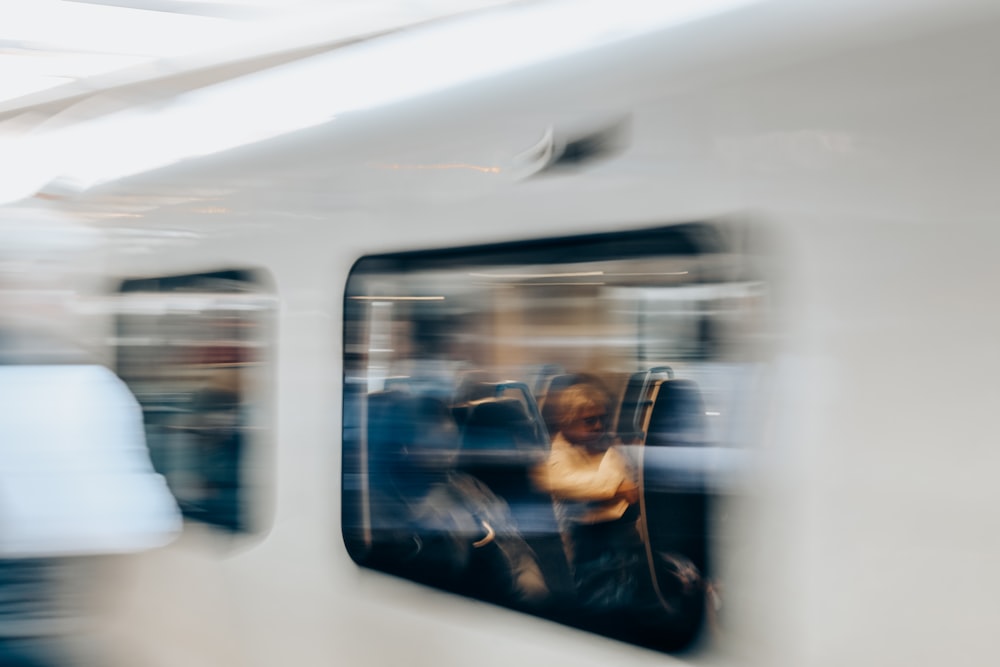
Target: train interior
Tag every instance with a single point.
(455, 361)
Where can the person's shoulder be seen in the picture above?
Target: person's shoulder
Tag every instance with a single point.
(85, 372)
(561, 450)
(54, 380)
(92, 383)
(560, 443)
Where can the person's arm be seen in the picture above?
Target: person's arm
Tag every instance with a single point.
(561, 476)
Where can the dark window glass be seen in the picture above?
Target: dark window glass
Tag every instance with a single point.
(553, 425)
(195, 350)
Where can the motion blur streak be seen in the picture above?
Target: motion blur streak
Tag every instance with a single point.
(75, 473)
(78, 156)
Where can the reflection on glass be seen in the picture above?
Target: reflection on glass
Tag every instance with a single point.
(193, 348)
(549, 425)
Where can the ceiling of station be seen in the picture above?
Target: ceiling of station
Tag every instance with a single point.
(50, 45)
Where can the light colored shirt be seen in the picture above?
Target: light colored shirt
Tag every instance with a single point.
(586, 482)
(75, 475)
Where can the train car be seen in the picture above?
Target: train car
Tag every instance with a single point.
(352, 291)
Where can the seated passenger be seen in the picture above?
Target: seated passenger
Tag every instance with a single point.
(582, 466)
(441, 526)
(597, 503)
(594, 489)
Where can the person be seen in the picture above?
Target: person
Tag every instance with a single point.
(434, 523)
(597, 503)
(76, 475)
(596, 498)
(76, 482)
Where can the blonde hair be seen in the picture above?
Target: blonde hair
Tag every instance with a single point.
(576, 399)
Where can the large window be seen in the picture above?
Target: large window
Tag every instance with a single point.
(553, 425)
(196, 351)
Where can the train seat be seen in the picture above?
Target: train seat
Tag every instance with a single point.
(637, 401)
(502, 442)
(677, 416)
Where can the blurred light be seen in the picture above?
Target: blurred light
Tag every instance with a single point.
(53, 42)
(397, 298)
(287, 98)
(109, 29)
(550, 284)
(575, 274)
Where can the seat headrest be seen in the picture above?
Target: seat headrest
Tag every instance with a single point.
(500, 424)
(420, 425)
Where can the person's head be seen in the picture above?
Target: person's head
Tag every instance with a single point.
(583, 415)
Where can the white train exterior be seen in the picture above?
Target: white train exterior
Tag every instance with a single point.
(866, 139)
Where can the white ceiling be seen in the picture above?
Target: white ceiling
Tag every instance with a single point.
(45, 44)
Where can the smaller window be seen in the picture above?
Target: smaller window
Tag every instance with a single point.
(193, 349)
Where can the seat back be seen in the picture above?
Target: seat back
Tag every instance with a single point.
(637, 401)
(502, 442)
(412, 441)
(677, 415)
(499, 425)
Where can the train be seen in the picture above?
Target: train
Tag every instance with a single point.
(349, 288)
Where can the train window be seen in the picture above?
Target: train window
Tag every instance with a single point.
(553, 425)
(194, 349)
